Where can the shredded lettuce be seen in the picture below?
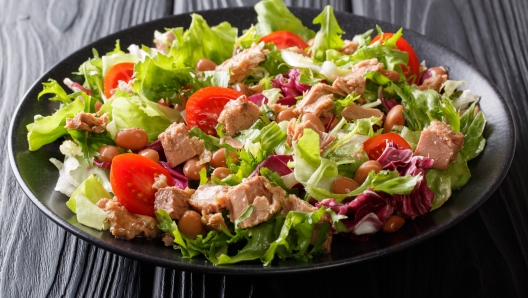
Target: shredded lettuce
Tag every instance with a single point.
(281, 236)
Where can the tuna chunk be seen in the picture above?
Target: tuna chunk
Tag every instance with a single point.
(87, 122)
(204, 155)
(242, 63)
(124, 224)
(176, 144)
(209, 200)
(173, 200)
(319, 100)
(257, 191)
(238, 115)
(438, 77)
(354, 81)
(354, 112)
(293, 203)
(232, 142)
(160, 181)
(167, 239)
(349, 47)
(440, 143)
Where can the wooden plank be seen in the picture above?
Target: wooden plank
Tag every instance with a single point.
(37, 257)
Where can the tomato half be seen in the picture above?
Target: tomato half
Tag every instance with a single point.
(132, 176)
(377, 144)
(205, 105)
(412, 69)
(285, 39)
(118, 72)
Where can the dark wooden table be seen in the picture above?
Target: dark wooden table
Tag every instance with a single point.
(484, 255)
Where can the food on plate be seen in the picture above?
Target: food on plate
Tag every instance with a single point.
(262, 143)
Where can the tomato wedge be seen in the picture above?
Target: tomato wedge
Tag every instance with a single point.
(132, 176)
(285, 39)
(377, 144)
(412, 69)
(205, 105)
(119, 72)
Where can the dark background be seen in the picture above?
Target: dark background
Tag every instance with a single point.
(485, 255)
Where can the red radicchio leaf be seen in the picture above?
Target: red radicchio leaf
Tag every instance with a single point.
(418, 203)
(276, 163)
(102, 164)
(180, 180)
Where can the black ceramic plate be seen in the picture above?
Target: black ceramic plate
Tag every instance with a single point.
(38, 176)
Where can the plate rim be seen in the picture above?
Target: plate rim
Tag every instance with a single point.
(172, 264)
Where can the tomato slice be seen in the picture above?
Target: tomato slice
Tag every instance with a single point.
(119, 72)
(412, 69)
(285, 39)
(377, 144)
(205, 105)
(132, 176)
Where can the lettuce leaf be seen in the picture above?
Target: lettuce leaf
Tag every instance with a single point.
(472, 125)
(45, 130)
(53, 87)
(82, 202)
(92, 70)
(273, 15)
(159, 77)
(76, 169)
(200, 40)
(90, 142)
(329, 36)
(136, 112)
(441, 182)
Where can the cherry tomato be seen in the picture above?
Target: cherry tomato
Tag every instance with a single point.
(119, 72)
(377, 144)
(205, 105)
(284, 39)
(132, 176)
(412, 69)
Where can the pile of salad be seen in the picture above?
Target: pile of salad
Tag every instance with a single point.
(262, 143)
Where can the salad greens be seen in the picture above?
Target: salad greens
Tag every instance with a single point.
(304, 161)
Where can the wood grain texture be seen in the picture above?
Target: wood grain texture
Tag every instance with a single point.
(485, 255)
(37, 258)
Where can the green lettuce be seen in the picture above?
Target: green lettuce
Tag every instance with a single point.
(329, 36)
(159, 77)
(90, 142)
(137, 112)
(441, 182)
(82, 202)
(45, 130)
(273, 15)
(53, 87)
(200, 40)
(472, 125)
(386, 181)
(92, 71)
(281, 236)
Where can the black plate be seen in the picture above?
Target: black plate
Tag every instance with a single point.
(38, 176)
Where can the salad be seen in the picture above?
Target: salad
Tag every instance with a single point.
(262, 143)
